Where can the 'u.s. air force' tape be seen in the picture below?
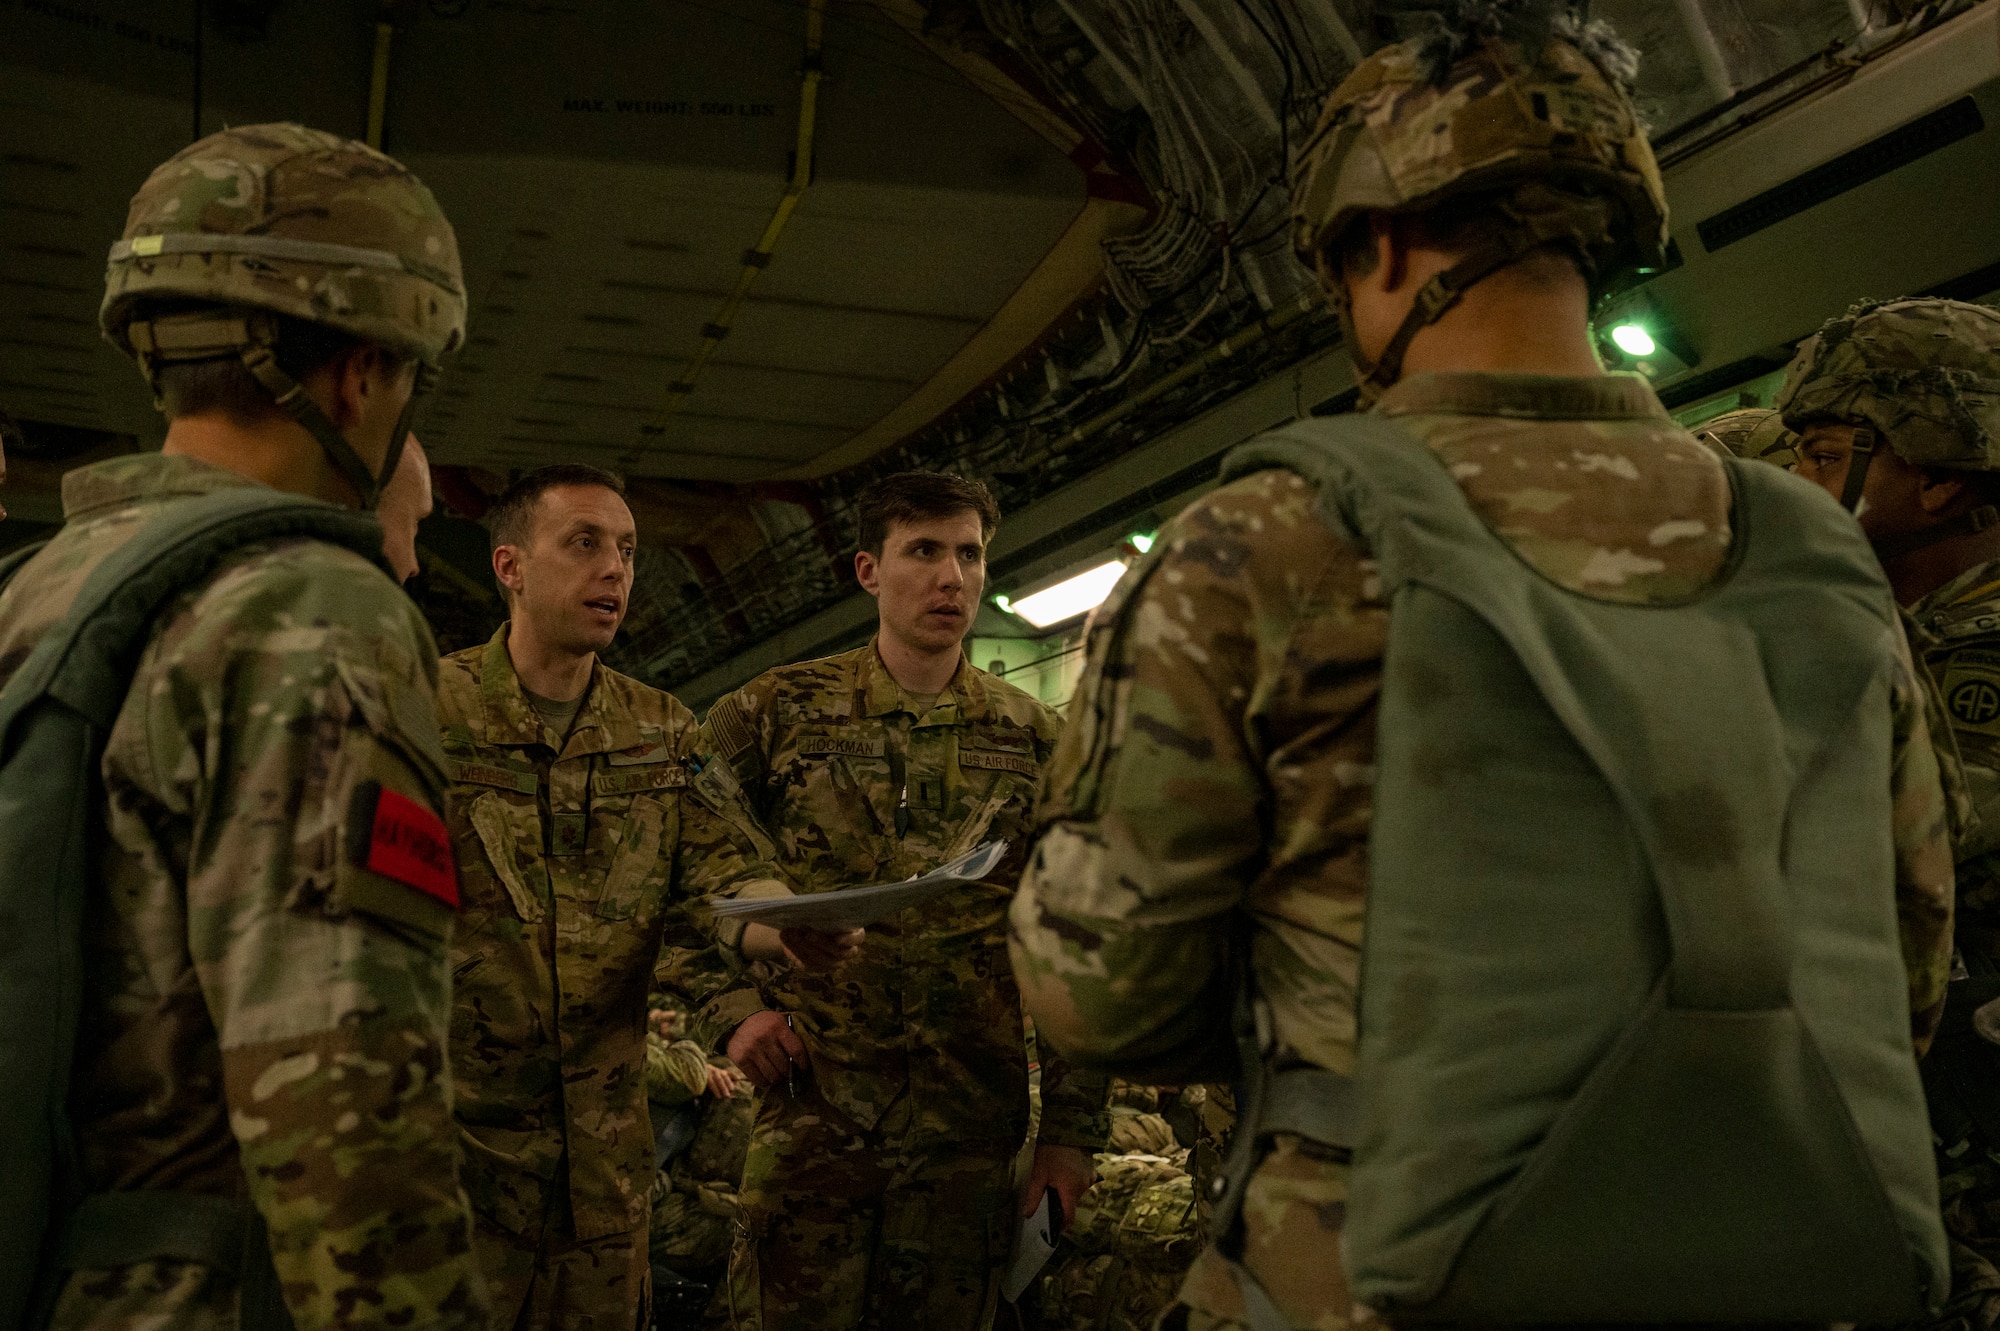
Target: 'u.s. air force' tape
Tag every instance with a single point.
(857, 907)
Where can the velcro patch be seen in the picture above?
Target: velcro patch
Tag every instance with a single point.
(729, 729)
(398, 838)
(640, 754)
(471, 773)
(658, 776)
(1971, 691)
(1007, 740)
(857, 746)
(999, 762)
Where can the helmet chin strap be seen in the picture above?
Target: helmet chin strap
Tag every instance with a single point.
(1437, 296)
(1433, 299)
(184, 338)
(1865, 443)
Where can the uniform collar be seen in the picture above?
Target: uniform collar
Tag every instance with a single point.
(117, 482)
(880, 694)
(1978, 585)
(605, 724)
(1535, 397)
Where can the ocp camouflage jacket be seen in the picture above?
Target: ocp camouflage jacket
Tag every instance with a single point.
(575, 863)
(833, 761)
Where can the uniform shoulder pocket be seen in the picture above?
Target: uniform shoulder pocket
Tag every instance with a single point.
(400, 714)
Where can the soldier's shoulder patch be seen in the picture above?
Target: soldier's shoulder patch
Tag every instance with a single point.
(1971, 689)
(393, 836)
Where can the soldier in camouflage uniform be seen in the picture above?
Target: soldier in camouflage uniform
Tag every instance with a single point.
(406, 501)
(577, 828)
(1460, 197)
(878, 1188)
(1913, 387)
(265, 1013)
(1204, 1121)
(1755, 433)
(695, 1208)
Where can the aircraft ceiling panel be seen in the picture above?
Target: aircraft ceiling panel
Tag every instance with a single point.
(606, 164)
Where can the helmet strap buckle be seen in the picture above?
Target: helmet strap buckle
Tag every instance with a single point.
(1433, 300)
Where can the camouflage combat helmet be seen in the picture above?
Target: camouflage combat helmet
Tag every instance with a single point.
(1520, 98)
(1754, 433)
(281, 219)
(1921, 377)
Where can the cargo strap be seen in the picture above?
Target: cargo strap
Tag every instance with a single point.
(114, 1229)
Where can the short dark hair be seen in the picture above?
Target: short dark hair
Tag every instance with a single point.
(1455, 225)
(908, 496)
(197, 388)
(507, 522)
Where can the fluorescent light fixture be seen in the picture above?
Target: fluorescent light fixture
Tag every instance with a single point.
(1070, 597)
(1142, 541)
(1633, 340)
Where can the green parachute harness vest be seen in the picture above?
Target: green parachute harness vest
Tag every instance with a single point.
(55, 715)
(1633, 1033)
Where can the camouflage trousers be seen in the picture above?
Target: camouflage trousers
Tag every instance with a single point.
(884, 1229)
(1972, 1224)
(185, 1296)
(1290, 1226)
(556, 1283)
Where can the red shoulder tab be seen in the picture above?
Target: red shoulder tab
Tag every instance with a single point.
(409, 843)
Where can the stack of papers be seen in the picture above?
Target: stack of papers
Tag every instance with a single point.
(858, 907)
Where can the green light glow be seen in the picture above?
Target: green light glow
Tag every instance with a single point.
(1006, 604)
(1142, 541)
(1633, 340)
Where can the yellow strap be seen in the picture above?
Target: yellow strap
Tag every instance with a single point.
(1964, 598)
(759, 255)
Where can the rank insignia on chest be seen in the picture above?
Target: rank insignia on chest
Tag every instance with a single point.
(394, 836)
(568, 832)
(927, 792)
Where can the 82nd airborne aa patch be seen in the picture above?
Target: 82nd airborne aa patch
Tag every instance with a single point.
(1971, 689)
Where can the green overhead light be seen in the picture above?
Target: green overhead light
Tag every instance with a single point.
(1005, 603)
(1142, 541)
(1633, 340)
